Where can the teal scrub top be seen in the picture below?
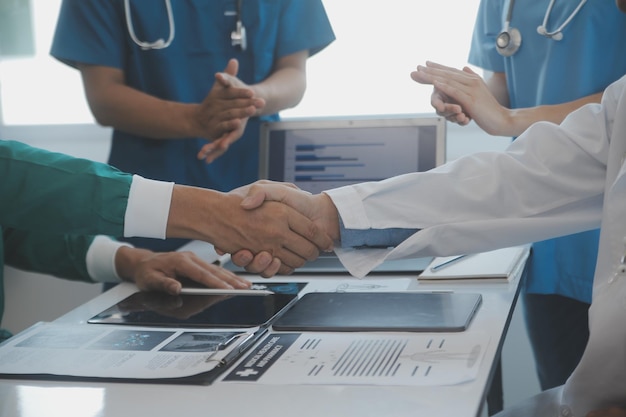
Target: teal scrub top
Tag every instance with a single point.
(589, 57)
(51, 206)
(95, 32)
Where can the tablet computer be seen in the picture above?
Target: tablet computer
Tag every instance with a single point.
(210, 311)
(383, 311)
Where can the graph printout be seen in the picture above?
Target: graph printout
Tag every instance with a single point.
(363, 358)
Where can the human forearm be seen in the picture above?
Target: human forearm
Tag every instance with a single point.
(114, 103)
(486, 100)
(285, 87)
(132, 111)
(522, 119)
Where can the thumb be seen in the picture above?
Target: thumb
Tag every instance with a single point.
(232, 68)
(469, 70)
(254, 199)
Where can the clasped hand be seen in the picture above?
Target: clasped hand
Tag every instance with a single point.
(315, 220)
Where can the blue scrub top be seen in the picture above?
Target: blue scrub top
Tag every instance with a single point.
(95, 32)
(590, 56)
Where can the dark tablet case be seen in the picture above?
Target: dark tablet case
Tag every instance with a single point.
(383, 311)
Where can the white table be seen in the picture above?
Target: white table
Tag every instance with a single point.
(22, 398)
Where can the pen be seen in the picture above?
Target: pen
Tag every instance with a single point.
(220, 291)
(447, 263)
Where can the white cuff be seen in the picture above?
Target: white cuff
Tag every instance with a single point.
(101, 259)
(148, 208)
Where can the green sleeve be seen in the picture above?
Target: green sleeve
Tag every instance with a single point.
(55, 193)
(48, 253)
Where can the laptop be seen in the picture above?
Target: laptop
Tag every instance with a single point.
(317, 154)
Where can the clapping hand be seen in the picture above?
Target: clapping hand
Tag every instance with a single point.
(236, 102)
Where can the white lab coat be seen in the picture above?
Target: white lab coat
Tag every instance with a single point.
(553, 180)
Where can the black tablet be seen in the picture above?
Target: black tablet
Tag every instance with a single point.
(210, 311)
(383, 311)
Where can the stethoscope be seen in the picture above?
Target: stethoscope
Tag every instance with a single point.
(238, 36)
(510, 39)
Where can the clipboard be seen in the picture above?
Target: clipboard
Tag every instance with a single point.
(382, 312)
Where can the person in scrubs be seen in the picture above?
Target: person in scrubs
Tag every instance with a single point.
(542, 60)
(168, 76)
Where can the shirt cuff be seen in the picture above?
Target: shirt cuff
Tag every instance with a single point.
(101, 259)
(373, 238)
(148, 208)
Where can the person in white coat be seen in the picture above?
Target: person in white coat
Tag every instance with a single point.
(536, 189)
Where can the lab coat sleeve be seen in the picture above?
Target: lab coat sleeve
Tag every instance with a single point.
(549, 182)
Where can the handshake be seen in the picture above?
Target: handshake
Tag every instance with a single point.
(267, 227)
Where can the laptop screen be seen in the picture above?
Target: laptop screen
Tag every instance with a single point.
(321, 153)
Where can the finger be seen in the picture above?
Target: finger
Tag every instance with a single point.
(158, 281)
(258, 263)
(214, 276)
(211, 275)
(310, 234)
(440, 67)
(267, 191)
(454, 90)
(215, 153)
(211, 151)
(469, 71)
(295, 254)
(273, 269)
(230, 116)
(421, 76)
(242, 258)
(285, 270)
(232, 67)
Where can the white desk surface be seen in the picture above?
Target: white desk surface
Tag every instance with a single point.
(21, 398)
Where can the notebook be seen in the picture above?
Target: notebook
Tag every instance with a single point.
(382, 311)
(494, 266)
(317, 154)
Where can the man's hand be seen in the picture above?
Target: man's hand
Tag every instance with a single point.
(223, 114)
(152, 271)
(227, 99)
(462, 95)
(219, 218)
(318, 208)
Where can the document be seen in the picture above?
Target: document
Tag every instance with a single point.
(362, 359)
(59, 351)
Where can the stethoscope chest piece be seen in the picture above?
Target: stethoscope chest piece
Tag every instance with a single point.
(508, 41)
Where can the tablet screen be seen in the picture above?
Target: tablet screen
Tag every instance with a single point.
(216, 311)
